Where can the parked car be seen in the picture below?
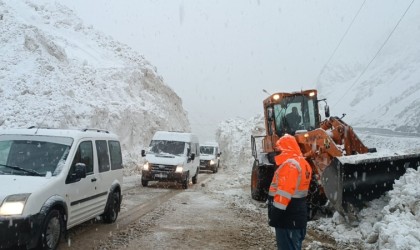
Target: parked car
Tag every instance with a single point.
(172, 156)
(210, 156)
(54, 179)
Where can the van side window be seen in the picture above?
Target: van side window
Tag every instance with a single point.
(115, 152)
(103, 157)
(84, 154)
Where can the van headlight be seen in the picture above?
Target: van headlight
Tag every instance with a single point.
(146, 166)
(212, 162)
(14, 204)
(179, 169)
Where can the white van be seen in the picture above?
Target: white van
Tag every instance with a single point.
(172, 156)
(210, 156)
(52, 180)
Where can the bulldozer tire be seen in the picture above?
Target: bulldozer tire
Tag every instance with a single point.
(261, 177)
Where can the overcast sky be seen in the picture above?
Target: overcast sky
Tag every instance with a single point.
(218, 55)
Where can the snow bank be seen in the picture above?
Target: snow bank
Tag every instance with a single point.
(56, 72)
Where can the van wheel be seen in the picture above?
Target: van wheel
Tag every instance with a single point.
(111, 211)
(144, 183)
(51, 230)
(186, 181)
(217, 168)
(195, 177)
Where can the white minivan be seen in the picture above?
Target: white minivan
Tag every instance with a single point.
(210, 156)
(172, 156)
(54, 179)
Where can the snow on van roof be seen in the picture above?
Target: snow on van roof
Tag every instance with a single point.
(73, 133)
(175, 136)
(213, 144)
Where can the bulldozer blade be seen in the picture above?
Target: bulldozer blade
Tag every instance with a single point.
(351, 181)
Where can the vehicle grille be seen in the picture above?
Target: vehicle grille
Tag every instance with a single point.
(163, 168)
(204, 162)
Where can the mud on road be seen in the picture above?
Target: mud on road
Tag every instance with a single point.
(205, 216)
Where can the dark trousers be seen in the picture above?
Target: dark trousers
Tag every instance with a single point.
(290, 239)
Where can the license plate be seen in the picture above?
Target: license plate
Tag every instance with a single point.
(160, 175)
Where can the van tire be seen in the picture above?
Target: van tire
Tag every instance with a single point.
(195, 177)
(216, 169)
(144, 183)
(186, 181)
(52, 230)
(113, 207)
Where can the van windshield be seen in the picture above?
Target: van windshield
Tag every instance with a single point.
(207, 150)
(167, 147)
(33, 155)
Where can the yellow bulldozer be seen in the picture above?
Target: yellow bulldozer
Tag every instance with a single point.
(345, 172)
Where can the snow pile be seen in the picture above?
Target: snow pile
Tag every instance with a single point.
(399, 229)
(391, 222)
(56, 72)
(234, 138)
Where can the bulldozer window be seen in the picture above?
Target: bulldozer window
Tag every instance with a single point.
(299, 114)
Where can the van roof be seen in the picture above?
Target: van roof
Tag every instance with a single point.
(175, 136)
(213, 144)
(73, 133)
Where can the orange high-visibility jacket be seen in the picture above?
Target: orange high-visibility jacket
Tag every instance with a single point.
(293, 176)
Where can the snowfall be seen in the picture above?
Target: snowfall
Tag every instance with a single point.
(57, 72)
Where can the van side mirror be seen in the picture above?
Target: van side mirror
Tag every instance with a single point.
(192, 156)
(143, 152)
(77, 173)
(80, 171)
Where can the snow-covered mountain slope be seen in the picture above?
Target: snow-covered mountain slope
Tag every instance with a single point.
(386, 93)
(56, 72)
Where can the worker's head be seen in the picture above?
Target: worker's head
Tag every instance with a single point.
(295, 110)
(288, 144)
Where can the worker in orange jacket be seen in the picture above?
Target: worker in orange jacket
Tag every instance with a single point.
(287, 209)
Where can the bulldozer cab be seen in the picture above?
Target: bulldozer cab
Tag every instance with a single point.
(291, 112)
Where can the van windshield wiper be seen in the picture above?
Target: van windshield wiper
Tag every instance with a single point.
(30, 171)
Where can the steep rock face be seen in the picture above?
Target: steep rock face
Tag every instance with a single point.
(56, 72)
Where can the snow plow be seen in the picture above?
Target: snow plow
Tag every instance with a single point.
(345, 172)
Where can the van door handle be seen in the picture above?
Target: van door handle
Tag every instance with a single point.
(93, 180)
